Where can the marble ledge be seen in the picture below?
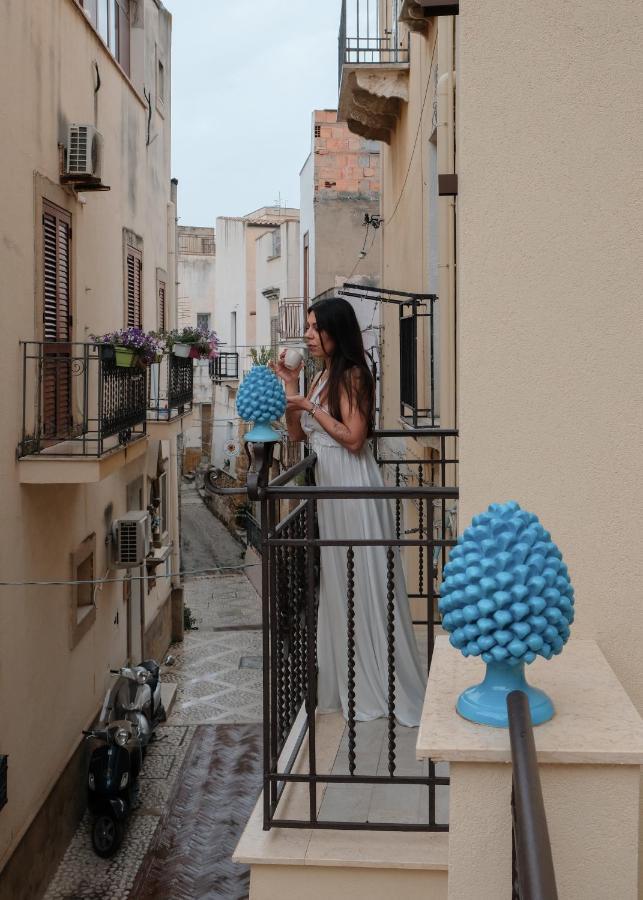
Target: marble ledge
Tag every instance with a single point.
(595, 723)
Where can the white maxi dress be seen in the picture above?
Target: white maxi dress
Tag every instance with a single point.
(354, 519)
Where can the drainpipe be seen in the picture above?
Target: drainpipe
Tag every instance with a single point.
(446, 214)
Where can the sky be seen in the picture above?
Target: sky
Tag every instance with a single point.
(245, 79)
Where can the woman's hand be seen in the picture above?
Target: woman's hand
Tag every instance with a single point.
(298, 403)
(290, 377)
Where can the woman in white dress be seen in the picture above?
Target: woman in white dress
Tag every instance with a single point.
(337, 418)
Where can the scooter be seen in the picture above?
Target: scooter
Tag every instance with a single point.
(114, 766)
(137, 697)
(131, 711)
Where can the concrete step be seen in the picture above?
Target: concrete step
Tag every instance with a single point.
(296, 863)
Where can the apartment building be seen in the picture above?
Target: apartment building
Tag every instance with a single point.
(88, 225)
(253, 282)
(196, 265)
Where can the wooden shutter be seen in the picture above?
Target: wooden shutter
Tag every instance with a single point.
(161, 305)
(134, 287)
(56, 379)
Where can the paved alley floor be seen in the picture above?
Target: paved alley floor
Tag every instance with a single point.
(201, 779)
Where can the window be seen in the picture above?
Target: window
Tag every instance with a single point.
(56, 329)
(134, 310)
(111, 19)
(276, 242)
(82, 607)
(233, 331)
(317, 131)
(305, 270)
(203, 321)
(162, 307)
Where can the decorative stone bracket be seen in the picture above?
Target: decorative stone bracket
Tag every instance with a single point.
(371, 97)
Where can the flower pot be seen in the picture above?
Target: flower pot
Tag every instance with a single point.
(125, 358)
(106, 352)
(182, 350)
(486, 703)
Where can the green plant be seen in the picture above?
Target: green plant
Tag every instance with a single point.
(261, 356)
(189, 621)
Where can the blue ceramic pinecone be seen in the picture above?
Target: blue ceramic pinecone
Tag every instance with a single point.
(261, 397)
(506, 594)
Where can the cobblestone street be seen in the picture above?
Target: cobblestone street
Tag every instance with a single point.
(201, 778)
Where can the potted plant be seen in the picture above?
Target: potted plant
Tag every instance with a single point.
(131, 346)
(197, 343)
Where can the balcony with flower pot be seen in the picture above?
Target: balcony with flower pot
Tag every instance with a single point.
(171, 381)
(373, 68)
(84, 407)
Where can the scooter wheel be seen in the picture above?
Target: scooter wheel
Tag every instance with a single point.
(107, 835)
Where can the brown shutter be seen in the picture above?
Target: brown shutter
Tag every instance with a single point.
(161, 306)
(56, 378)
(134, 287)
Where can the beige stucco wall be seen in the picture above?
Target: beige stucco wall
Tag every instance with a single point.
(49, 692)
(418, 228)
(549, 274)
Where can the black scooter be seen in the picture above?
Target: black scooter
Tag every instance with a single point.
(114, 766)
(131, 711)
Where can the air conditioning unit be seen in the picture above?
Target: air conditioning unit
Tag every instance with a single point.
(131, 539)
(84, 152)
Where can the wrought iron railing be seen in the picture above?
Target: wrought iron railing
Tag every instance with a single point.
(417, 349)
(533, 876)
(424, 503)
(77, 402)
(291, 320)
(171, 388)
(369, 34)
(225, 367)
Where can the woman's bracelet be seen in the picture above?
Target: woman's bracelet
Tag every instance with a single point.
(315, 407)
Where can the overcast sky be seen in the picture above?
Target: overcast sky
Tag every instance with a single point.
(245, 79)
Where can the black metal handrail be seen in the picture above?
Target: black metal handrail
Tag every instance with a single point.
(225, 367)
(171, 388)
(76, 400)
(533, 867)
(369, 34)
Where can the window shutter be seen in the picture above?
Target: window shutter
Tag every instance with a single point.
(134, 286)
(161, 305)
(56, 377)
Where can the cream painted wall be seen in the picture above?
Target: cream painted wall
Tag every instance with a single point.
(48, 692)
(410, 230)
(280, 272)
(549, 263)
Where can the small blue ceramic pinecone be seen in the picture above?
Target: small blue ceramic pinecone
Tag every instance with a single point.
(261, 397)
(506, 594)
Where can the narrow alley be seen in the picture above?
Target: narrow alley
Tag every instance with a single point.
(201, 777)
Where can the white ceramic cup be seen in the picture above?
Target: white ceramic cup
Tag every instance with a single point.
(293, 358)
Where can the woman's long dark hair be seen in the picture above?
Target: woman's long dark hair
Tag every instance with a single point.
(347, 366)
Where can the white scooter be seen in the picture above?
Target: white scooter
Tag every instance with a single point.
(136, 697)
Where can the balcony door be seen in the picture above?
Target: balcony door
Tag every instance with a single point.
(57, 324)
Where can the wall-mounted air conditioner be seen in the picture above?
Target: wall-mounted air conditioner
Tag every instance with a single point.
(131, 539)
(84, 152)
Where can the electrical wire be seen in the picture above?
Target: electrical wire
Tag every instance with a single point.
(213, 570)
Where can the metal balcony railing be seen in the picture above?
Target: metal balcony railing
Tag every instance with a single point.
(292, 559)
(369, 34)
(292, 316)
(171, 388)
(225, 367)
(417, 349)
(77, 402)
